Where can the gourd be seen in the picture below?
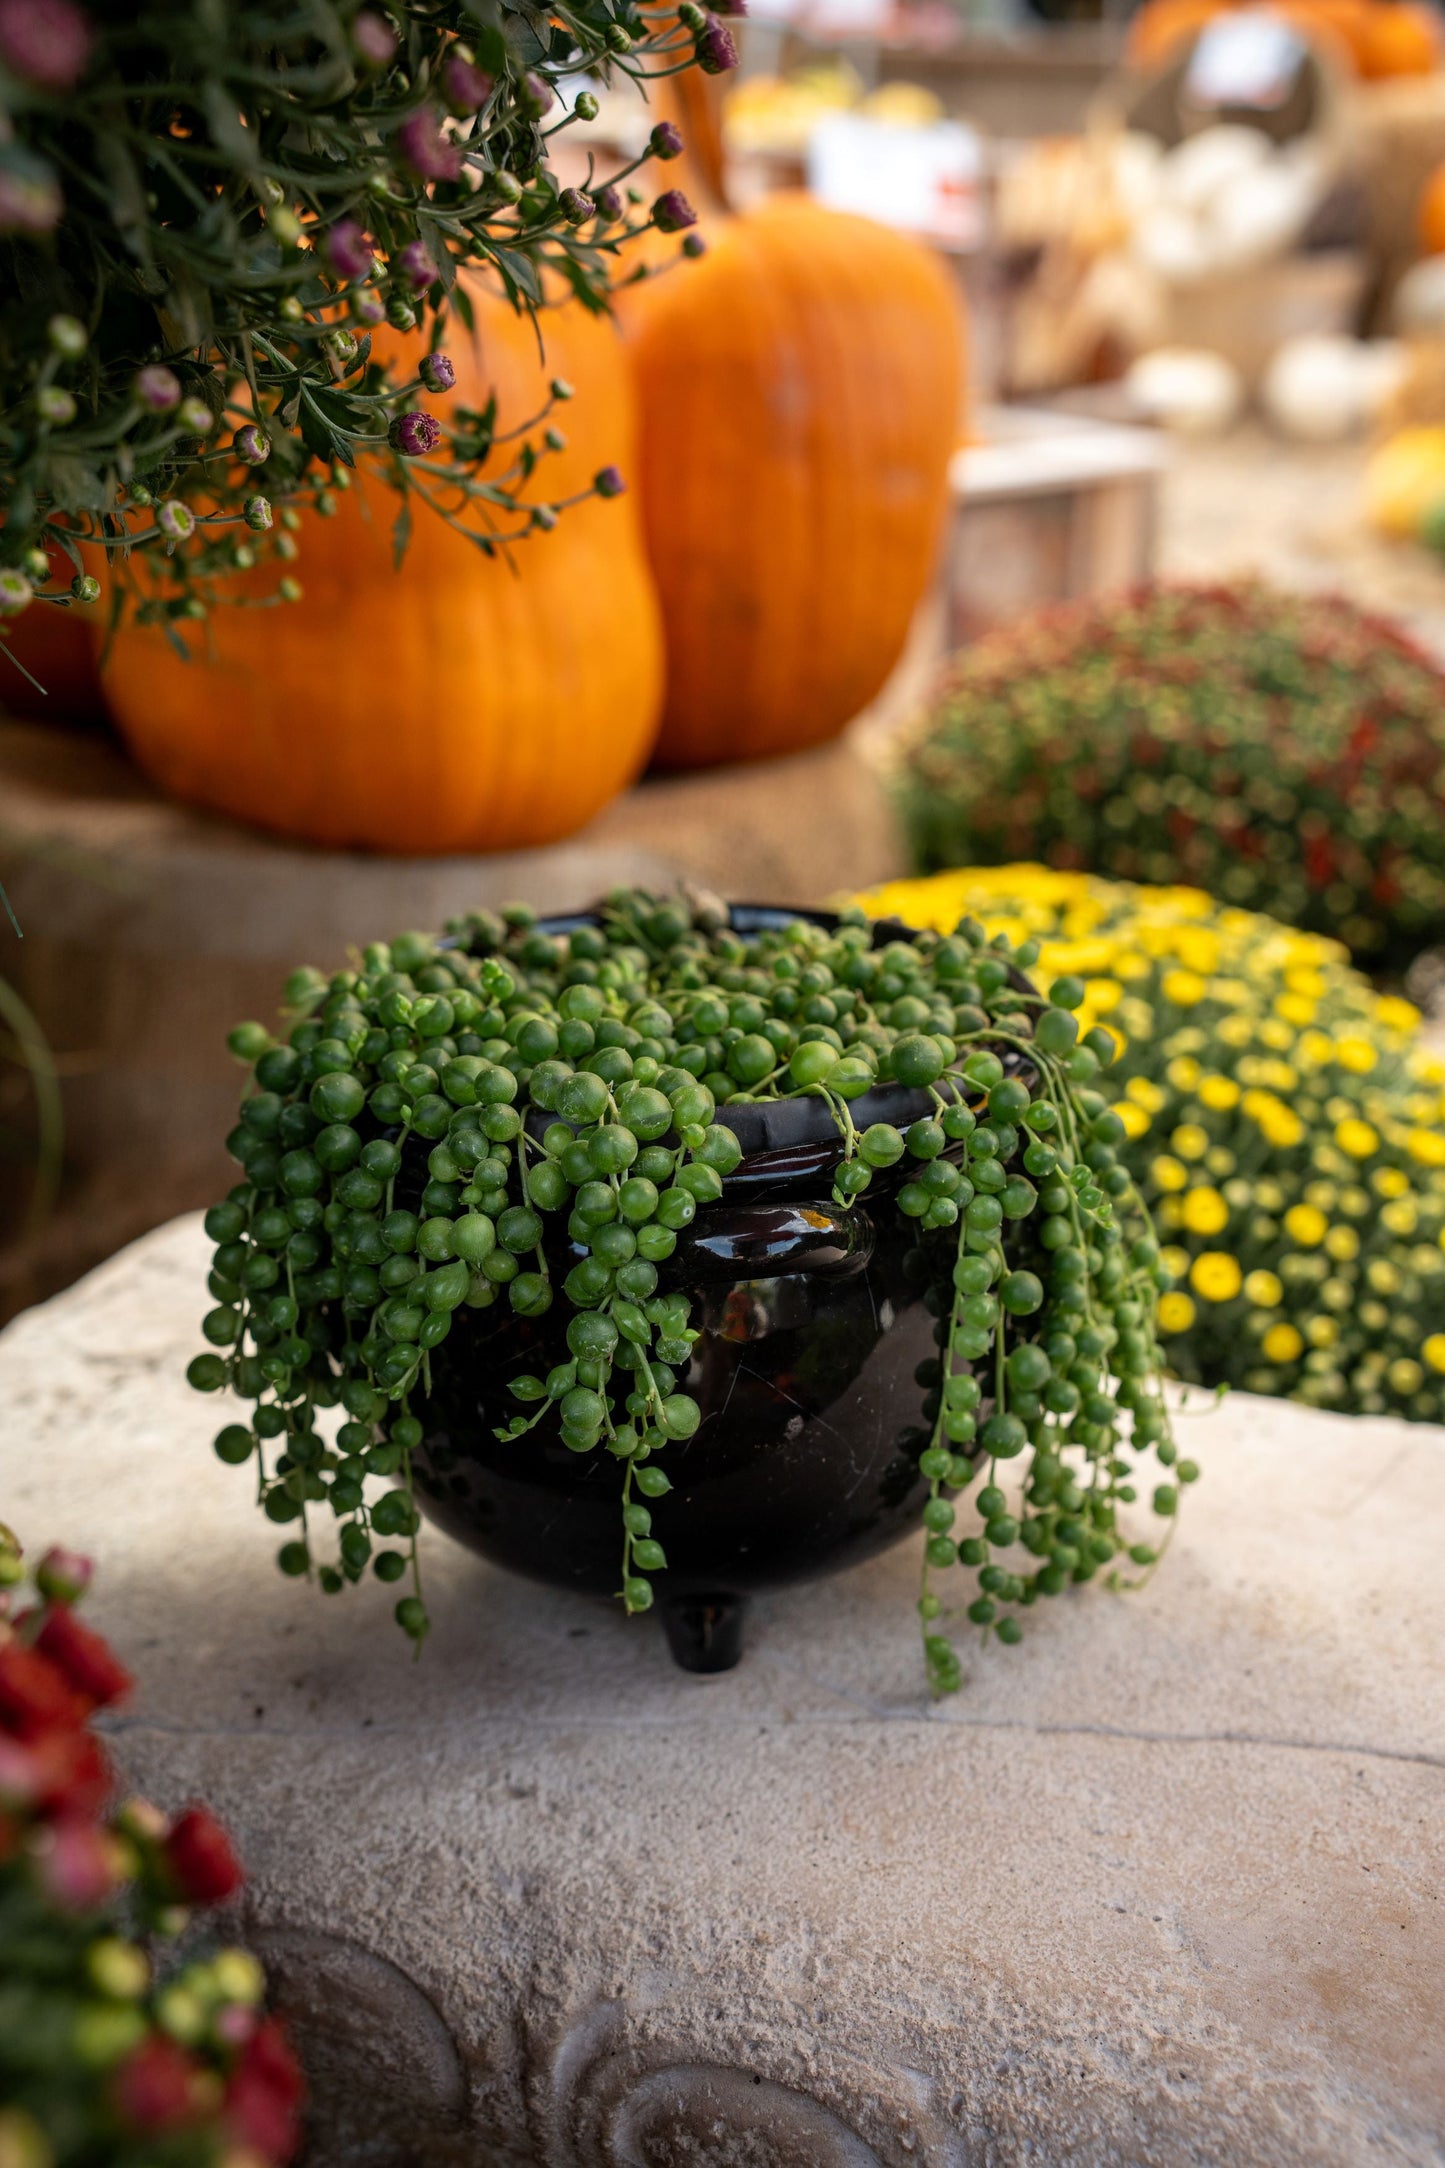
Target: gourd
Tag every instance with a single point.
(800, 392)
(1399, 37)
(1404, 479)
(458, 703)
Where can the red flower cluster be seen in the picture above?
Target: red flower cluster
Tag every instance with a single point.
(66, 1862)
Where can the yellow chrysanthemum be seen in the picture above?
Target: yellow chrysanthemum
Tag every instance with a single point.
(1183, 1072)
(1219, 1093)
(1185, 989)
(1434, 1351)
(1405, 1376)
(1175, 1260)
(1216, 1276)
(1134, 1119)
(1427, 1146)
(1306, 1225)
(1356, 1137)
(1264, 1289)
(1296, 1008)
(1400, 1216)
(1145, 1093)
(1356, 1055)
(1390, 1181)
(1343, 1244)
(1176, 1314)
(1283, 1344)
(1167, 1174)
(1190, 1141)
(1321, 1331)
(1204, 1212)
(1397, 1015)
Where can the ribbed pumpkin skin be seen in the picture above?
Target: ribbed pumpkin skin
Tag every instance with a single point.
(800, 390)
(460, 704)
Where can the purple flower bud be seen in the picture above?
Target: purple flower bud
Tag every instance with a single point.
(63, 1576)
(251, 445)
(545, 518)
(608, 205)
(414, 435)
(609, 482)
(715, 49)
(175, 519)
(15, 592)
(426, 150)
(665, 140)
(257, 511)
(367, 308)
(54, 404)
(196, 416)
(535, 96)
(347, 250)
(416, 264)
(574, 206)
(464, 85)
(374, 38)
(672, 212)
(693, 245)
(30, 202)
(45, 42)
(436, 372)
(158, 388)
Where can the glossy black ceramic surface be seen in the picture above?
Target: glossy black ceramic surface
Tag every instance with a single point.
(806, 1459)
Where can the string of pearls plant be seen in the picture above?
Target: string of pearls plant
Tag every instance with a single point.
(533, 1117)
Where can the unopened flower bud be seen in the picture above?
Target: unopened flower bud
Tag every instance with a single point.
(416, 265)
(175, 519)
(400, 314)
(693, 245)
(347, 250)
(561, 389)
(36, 566)
(85, 587)
(585, 106)
(692, 15)
(665, 140)
(44, 42)
(672, 212)
(63, 1576)
(284, 225)
(341, 345)
(506, 187)
(118, 1969)
(15, 591)
(607, 204)
(373, 38)
(67, 335)
(196, 416)
(574, 206)
(237, 1976)
(535, 96)
(290, 309)
(715, 48)
(54, 404)
(258, 514)
(367, 308)
(30, 202)
(618, 39)
(436, 372)
(608, 482)
(545, 518)
(426, 149)
(289, 590)
(414, 435)
(251, 445)
(465, 86)
(158, 388)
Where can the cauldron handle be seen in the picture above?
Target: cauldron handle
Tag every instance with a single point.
(726, 1243)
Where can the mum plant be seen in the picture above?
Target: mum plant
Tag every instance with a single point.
(214, 220)
(529, 1116)
(1281, 1119)
(115, 2051)
(1286, 753)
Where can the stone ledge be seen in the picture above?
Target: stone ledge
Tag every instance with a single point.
(1160, 1886)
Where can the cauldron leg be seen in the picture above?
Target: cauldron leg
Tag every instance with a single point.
(704, 1633)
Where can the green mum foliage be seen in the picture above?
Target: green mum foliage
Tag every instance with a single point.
(1284, 753)
(446, 1126)
(1282, 1119)
(206, 209)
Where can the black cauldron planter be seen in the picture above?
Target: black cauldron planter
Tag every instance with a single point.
(812, 1322)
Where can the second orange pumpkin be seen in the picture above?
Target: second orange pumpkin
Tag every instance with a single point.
(800, 392)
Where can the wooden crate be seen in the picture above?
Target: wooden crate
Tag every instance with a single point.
(1047, 506)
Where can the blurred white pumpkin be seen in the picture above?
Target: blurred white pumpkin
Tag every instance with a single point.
(1186, 388)
(1321, 389)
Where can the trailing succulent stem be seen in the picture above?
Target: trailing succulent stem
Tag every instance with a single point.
(434, 1107)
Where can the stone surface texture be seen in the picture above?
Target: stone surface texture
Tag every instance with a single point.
(1161, 1886)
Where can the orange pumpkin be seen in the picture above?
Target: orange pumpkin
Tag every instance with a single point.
(1399, 37)
(460, 703)
(58, 648)
(801, 393)
(1430, 218)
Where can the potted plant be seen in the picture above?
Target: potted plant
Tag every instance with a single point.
(536, 1202)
